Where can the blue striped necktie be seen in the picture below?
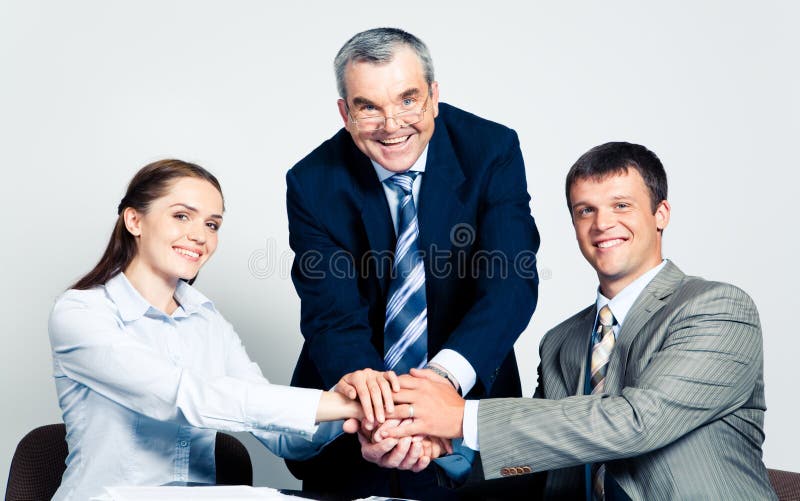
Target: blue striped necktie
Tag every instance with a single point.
(405, 337)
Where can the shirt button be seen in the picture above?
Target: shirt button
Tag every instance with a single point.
(184, 443)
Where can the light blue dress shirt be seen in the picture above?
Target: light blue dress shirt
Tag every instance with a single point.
(142, 393)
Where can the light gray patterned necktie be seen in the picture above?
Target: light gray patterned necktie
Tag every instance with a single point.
(601, 351)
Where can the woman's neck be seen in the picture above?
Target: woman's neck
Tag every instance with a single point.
(157, 290)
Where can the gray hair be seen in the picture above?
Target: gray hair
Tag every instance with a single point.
(378, 46)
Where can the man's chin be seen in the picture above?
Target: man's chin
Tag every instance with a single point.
(396, 164)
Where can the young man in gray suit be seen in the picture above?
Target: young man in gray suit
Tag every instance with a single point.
(656, 391)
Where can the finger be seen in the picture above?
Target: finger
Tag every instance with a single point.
(396, 456)
(375, 452)
(364, 430)
(352, 425)
(427, 448)
(345, 389)
(407, 381)
(366, 404)
(389, 423)
(423, 463)
(404, 430)
(436, 449)
(386, 393)
(448, 445)
(392, 377)
(414, 453)
(377, 399)
(405, 411)
(406, 396)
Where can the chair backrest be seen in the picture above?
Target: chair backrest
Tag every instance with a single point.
(38, 464)
(40, 461)
(233, 461)
(785, 483)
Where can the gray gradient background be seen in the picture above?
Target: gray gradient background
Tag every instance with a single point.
(92, 90)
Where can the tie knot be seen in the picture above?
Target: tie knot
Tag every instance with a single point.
(606, 317)
(403, 182)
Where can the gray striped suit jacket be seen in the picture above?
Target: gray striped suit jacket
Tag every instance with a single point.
(683, 416)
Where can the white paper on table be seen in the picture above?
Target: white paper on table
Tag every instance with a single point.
(217, 493)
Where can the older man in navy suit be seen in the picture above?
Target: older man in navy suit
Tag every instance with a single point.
(415, 247)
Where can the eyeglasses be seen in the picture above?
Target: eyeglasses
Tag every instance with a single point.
(371, 123)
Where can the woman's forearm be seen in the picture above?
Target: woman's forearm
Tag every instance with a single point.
(334, 406)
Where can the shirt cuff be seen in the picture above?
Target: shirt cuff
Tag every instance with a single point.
(470, 424)
(286, 409)
(458, 367)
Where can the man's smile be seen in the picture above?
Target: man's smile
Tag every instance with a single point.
(605, 244)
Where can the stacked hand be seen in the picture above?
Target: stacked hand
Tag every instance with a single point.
(409, 435)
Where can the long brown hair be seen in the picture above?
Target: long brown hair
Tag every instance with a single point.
(150, 183)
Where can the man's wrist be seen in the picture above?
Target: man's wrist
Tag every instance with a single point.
(438, 369)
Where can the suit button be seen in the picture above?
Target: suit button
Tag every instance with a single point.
(527, 469)
(504, 472)
(519, 470)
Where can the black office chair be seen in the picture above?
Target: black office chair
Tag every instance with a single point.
(785, 483)
(39, 463)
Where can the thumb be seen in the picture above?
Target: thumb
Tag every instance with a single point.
(351, 425)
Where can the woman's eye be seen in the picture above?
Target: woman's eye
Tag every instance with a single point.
(181, 217)
(213, 226)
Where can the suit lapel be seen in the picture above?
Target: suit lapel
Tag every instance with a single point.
(440, 204)
(574, 352)
(374, 214)
(646, 305)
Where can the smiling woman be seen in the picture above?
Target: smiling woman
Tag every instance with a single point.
(147, 370)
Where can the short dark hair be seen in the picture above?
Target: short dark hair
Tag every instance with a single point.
(616, 158)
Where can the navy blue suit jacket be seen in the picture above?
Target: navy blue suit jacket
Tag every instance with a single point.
(475, 230)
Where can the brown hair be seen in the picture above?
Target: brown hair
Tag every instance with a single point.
(616, 158)
(150, 183)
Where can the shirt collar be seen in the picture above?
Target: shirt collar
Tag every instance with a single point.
(132, 305)
(190, 298)
(419, 166)
(622, 302)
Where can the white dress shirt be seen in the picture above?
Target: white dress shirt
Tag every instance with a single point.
(452, 361)
(620, 305)
(142, 392)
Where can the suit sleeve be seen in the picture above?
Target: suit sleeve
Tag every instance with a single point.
(504, 264)
(334, 316)
(707, 367)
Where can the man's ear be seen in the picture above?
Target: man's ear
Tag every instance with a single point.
(662, 215)
(435, 98)
(343, 112)
(133, 221)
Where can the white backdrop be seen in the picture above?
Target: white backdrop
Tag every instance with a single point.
(91, 90)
